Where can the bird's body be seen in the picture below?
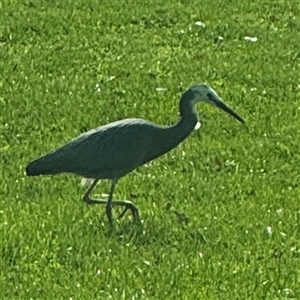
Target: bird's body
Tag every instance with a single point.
(110, 151)
(113, 150)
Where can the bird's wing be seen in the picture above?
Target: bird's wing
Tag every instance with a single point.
(105, 152)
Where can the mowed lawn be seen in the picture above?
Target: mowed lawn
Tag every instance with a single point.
(220, 212)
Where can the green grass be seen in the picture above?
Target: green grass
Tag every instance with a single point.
(235, 187)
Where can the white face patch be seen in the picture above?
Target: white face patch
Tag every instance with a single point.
(197, 126)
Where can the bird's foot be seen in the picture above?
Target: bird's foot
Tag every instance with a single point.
(128, 205)
(124, 203)
(90, 201)
(122, 213)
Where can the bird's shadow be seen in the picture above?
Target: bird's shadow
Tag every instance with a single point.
(151, 231)
(168, 227)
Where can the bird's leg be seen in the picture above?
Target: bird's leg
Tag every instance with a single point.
(128, 205)
(123, 213)
(86, 197)
(109, 202)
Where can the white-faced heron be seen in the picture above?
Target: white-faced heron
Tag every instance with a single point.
(113, 150)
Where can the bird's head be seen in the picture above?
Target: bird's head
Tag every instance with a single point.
(204, 93)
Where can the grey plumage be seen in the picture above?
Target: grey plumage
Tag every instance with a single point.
(113, 150)
(109, 151)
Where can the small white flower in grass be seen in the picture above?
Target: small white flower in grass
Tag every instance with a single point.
(98, 272)
(197, 126)
(269, 230)
(200, 254)
(200, 24)
(230, 163)
(288, 293)
(250, 39)
(97, 87)
(220, 38)
(253, 89)
(110, 78)
(146, 262)
(294, 249)
(160, 89)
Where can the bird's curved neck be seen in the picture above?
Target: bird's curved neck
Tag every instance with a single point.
(180, 131)
(169, 137)
(187, 110)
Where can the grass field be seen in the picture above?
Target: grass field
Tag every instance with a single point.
(221, 212)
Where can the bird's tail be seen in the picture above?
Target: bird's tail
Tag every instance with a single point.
(41, 166)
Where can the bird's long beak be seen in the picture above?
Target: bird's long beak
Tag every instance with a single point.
(219, 103)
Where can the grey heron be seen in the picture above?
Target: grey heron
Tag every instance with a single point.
(113, 150)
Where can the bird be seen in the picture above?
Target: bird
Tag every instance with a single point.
(113, 150)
